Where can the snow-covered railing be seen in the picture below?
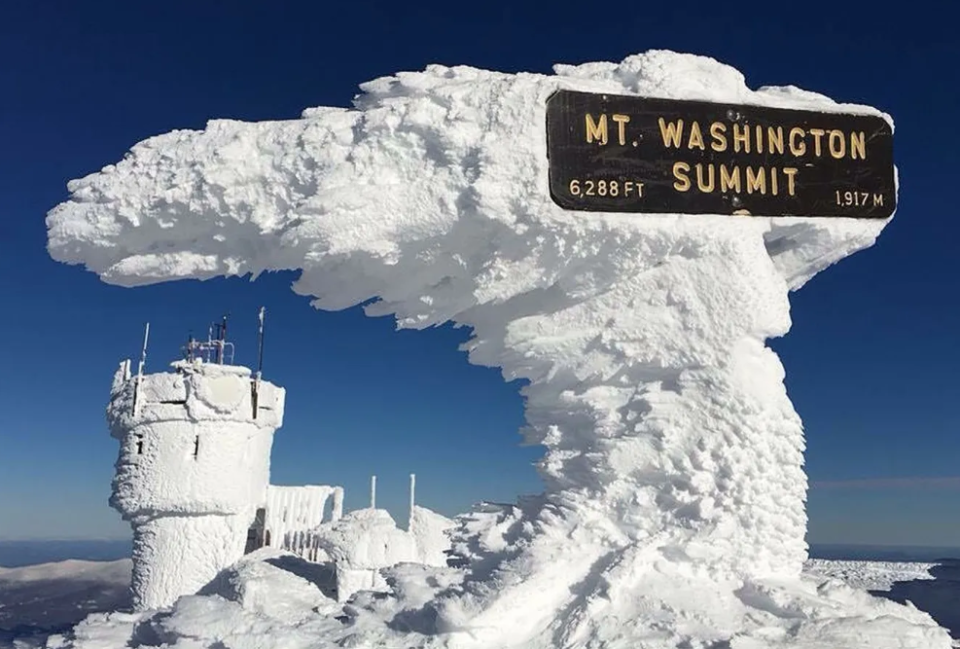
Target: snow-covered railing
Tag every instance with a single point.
(305, 544)
(293, 511)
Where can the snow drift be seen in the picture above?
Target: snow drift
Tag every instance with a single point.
(674, 507)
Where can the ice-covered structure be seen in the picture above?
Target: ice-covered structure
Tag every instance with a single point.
(193, 469)
(365, 541)
(193, 475)
(673, 514)
(293, 510)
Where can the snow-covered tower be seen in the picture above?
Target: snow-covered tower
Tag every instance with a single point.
(193, 468)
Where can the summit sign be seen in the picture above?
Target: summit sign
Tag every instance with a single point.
(614, 153)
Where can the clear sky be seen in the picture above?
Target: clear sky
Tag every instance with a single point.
(871, 360)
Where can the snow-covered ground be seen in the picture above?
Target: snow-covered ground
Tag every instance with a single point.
(869, 575)
(42, 599)
(932, 587)
(277, 593)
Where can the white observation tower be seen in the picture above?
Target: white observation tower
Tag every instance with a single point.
(194, 464)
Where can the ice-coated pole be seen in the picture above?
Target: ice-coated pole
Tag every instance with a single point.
(337, 512)
(373, 492)
(143, 361)
(413, 488)
(263, 311)
(259, 374)
(223, 340)
(206, 352)
(143, 352)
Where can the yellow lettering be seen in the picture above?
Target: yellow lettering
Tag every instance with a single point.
(671, 133)
(858, 145)
(595, 130)
(775, 139)
(797, 146)
(759, 131)
(741, 137)
(790, 173)
(718, 133)
(773, 181)
(680, 171)
(704, 187)
(729, 180)
(621, 121)
(756, 181)
(696, 137)
(837, 145)
(817, 133)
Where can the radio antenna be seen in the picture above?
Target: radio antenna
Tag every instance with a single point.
(263, 311)
(209, 346)
(223, 339)
(256, 381)
(143, 361)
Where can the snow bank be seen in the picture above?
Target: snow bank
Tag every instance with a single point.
(272, 599)
(674, 505)
(869, 575)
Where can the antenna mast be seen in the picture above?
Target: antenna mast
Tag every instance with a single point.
(222, 337)
(263, 311)
(191, 346)
(259, 374)
(143, 361)
(413, 488)
(206, 351)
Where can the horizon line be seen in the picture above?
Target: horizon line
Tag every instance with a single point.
(901, 482)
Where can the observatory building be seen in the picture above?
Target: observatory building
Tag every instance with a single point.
(193, 480)
(193, 468)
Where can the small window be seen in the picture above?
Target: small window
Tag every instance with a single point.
(196, 447)
(139, 444)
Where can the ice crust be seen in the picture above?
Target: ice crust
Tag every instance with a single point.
(673, 514)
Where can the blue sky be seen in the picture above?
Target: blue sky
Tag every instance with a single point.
(870, 361)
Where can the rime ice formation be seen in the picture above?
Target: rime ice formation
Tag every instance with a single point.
(430, 536)
(361, 543)
(295, 510)
(365, 541)
(673, 514)
(193, 468)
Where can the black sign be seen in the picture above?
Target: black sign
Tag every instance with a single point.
(615, 153)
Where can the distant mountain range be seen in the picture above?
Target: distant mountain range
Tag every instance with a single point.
(14, 554)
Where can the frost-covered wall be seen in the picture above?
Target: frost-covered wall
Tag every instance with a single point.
(673, 457)
(193, 467)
